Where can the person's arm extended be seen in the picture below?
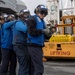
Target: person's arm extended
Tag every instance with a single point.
(21, 27)
(31, 23)
(9, 24)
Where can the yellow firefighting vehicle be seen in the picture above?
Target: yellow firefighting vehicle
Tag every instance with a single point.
(62, 43)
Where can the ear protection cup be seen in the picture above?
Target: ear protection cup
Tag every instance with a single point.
(36, 10)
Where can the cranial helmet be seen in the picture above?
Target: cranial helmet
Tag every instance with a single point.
(41, 9)
(10, 17)
(25, 13)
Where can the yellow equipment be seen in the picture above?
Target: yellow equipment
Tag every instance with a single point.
(62, 45)
(61, 38)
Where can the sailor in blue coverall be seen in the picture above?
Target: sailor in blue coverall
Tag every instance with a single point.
(8, 54)
(1, 22)
(0, 43)
(36, 38)
(19, 42)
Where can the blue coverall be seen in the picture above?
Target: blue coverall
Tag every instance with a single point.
(0, 45)
(35, 43)
(20, 48)
(8, 54)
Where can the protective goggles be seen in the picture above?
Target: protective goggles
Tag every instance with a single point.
(43, 11)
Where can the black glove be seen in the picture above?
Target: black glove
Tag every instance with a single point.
(48, 32)
(52, 29)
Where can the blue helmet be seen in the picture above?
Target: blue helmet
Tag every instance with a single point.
(41, 9)
(10, 17)
(25, 13)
